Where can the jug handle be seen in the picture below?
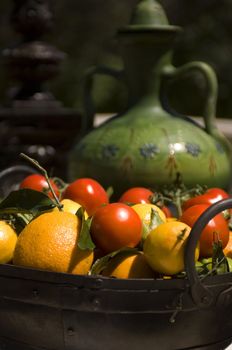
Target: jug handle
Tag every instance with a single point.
(209, 111)
(89, 109)
(201, 295)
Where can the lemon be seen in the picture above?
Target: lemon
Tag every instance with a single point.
(165, 245)
(8, 239)
(130, 266)
(144, 210)
(151, 216)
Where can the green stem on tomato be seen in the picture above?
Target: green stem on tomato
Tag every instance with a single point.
(44, 172)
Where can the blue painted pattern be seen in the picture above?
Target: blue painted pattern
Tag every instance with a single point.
(219, 148)
(109, 151)
(149, 150)
(193, 149)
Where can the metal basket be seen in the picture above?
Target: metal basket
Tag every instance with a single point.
(46, 310)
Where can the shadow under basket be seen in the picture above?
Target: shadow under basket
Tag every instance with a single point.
(46, 310)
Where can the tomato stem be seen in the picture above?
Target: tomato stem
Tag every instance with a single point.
(44, 172)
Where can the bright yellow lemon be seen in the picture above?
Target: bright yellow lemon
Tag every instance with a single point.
(165, 245)
(8, 239)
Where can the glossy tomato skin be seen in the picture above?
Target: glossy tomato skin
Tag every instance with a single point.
(88, 193)
(115, 226)
(136, 195)
(212, 195)
(217, 228)
(217, 194)
(39, 183)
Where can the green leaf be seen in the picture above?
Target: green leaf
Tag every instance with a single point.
(19, 221)
(219, 261)
(84, 239)
(26, 201)
(145, 231)
(25, 218)
(155, 220)
(80, 213)
(21, 206)
(101, 264)
(201, 268)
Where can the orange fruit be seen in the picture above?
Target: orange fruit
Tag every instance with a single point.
(172, 219)
(144, 211)
(228, 248)
(151, 216)
(70, 206)
(49, 242)
(164, 247)
(8, 239)
(133, 265)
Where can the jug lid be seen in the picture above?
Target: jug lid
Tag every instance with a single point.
(149, 16)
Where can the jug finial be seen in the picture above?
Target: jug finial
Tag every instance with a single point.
(150, 16)
(149, 13)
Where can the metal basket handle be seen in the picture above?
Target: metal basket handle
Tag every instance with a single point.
(201, 295)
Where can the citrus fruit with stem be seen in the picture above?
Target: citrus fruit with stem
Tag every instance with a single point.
(70, 206)
(8, 239)
(50, 242)
(151, 216)
(165, 245)
(144, 210)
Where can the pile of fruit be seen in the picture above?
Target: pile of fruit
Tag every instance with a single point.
(77, 228)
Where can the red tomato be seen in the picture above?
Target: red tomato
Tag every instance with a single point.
(217, 228)
(136, 195)
(115, 226)
(88, 193)
(39, 183)
(212, 195)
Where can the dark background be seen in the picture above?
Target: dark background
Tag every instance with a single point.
(85, 30)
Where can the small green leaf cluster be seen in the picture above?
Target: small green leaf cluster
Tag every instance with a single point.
(22, 206)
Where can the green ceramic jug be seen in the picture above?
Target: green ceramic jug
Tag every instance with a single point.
(146, 145)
